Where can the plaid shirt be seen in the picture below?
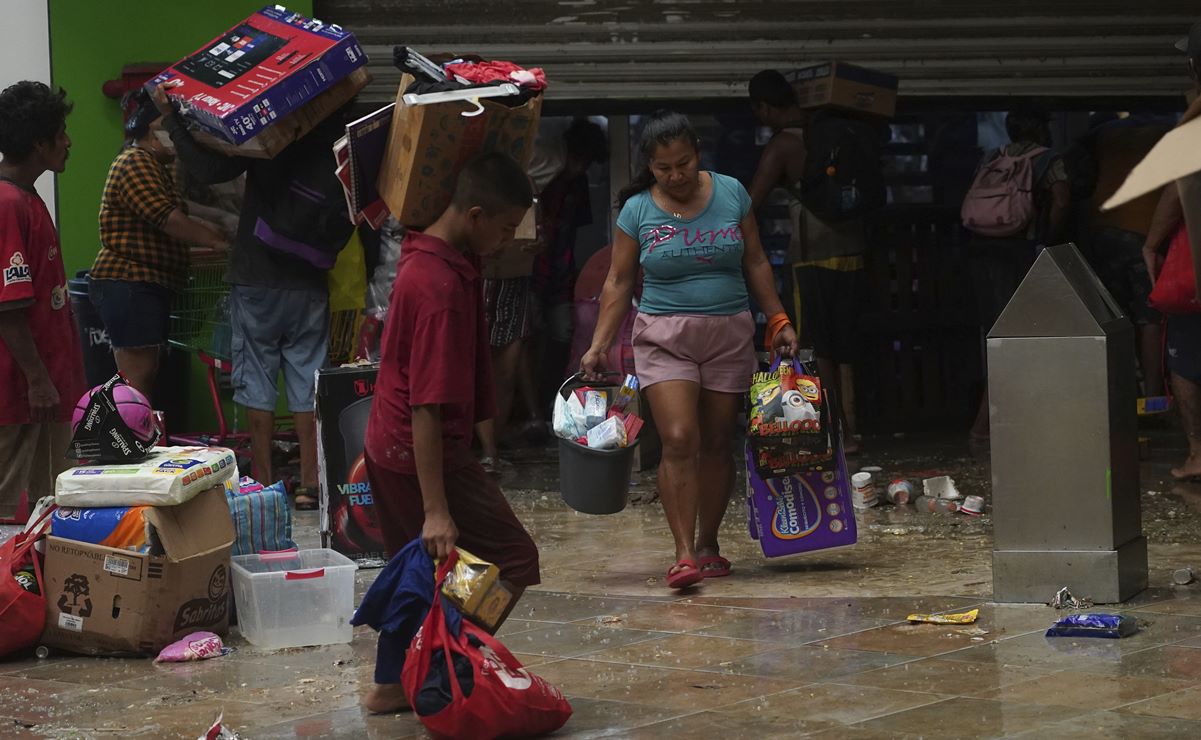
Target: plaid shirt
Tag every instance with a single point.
(139, 195)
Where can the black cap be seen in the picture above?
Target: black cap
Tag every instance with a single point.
(1191, 44)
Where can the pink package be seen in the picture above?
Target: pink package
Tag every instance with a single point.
(196, 646)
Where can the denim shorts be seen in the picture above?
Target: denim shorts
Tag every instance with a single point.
(135, 314)
(277, 329)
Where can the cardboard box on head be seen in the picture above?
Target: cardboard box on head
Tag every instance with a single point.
(292, 127)
(105, 601)
(846, 87)
(259, 71)
(429, 144)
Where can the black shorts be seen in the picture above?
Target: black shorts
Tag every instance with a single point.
(135, 314)
(1184, 346)
(831, 304)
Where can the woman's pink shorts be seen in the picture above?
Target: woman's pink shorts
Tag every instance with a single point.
(716, 352)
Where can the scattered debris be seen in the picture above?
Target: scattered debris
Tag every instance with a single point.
(964, 618)
(942, 486)
(1182, 576)
(219, 731)
(1065, 600)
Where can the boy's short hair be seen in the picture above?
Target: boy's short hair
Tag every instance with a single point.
(30, 112)
(769, 86)
(493, 182)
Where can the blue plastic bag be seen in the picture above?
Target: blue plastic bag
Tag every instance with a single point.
(262, 517)
(1110, 626)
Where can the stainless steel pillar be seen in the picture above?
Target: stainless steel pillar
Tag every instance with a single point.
(1062, 393)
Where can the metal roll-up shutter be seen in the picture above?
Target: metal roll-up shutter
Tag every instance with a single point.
(675, 50)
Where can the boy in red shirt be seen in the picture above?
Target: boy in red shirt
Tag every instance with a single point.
(41, 363)
(435, 382)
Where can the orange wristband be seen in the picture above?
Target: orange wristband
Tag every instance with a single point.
(775, 323)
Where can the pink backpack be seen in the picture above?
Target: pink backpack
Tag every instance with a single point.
(1001, 199)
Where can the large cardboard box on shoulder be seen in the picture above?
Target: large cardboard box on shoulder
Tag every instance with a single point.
(105, 601)
(429, 144)
(275, 138)
(845, 87)
(259, 71)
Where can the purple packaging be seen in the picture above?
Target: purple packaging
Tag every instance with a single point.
(802, 512)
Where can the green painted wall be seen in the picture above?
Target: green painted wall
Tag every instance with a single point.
(90, 41)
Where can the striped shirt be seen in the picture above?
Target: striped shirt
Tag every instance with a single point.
(139, 195)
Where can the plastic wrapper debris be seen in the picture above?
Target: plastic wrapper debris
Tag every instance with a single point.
(218, 731)
(942, 486)
(608, 435)
(1108, 626)
(196, 646)
(568, 417)
(963, 618)
(1065, 600)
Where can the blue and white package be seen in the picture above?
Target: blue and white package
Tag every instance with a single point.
(1110, 626)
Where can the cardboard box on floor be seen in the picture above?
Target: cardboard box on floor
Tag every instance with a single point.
(296, 124)
(516, 259)
(429, 144)
(104, 601)
(259, 71)
(845, 86)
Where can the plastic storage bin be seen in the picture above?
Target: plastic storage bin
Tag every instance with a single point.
(294, 598)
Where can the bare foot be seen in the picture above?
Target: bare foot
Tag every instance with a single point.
(1190, 469)
(386, 699)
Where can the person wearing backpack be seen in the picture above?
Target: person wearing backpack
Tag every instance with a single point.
(1019, 200)
(292, 226)
(829, 164)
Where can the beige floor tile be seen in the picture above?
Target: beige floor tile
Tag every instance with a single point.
(1085, 690)
(936, 676)
(971, 718)
(680, 651)
(1184, 704)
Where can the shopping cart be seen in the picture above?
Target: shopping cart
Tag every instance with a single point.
(200, 323)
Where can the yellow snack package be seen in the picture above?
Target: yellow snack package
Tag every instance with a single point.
(475, 588)
(964, 618)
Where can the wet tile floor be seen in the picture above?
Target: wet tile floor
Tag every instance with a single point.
(812, 646)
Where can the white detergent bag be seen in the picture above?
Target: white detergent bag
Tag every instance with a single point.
(167, 477)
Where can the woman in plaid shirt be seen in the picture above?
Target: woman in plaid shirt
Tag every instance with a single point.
(144, 233)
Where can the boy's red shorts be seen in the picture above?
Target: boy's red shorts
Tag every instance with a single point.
(487, 526)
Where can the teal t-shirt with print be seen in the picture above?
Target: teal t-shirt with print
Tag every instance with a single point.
(691, 266)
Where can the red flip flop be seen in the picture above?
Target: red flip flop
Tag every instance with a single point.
(715, 566)
(684, 574)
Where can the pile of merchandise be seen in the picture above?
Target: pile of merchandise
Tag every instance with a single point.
(598, 418)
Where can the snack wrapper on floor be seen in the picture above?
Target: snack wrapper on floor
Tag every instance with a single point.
(1109, 626)
(474, 586)
(196, 646)
(964, 618)
(119, 527)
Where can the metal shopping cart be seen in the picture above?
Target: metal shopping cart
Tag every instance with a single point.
(200, 323)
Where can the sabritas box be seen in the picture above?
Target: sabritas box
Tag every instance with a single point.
(349, 522)
(845, 86)
(104, 601)
(261, 70)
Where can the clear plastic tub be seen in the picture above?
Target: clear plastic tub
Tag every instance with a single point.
(294, 598)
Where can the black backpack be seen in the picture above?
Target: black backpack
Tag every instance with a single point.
(843, 177)
(303, 211)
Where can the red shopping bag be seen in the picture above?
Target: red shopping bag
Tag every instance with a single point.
(22, 612)
(1175, 291)
(470, 686)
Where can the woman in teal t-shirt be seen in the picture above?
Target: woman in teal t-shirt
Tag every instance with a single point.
(694, 236)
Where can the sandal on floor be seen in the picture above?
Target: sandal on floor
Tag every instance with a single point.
(305, 499)
(715, 566)
(684, 574)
